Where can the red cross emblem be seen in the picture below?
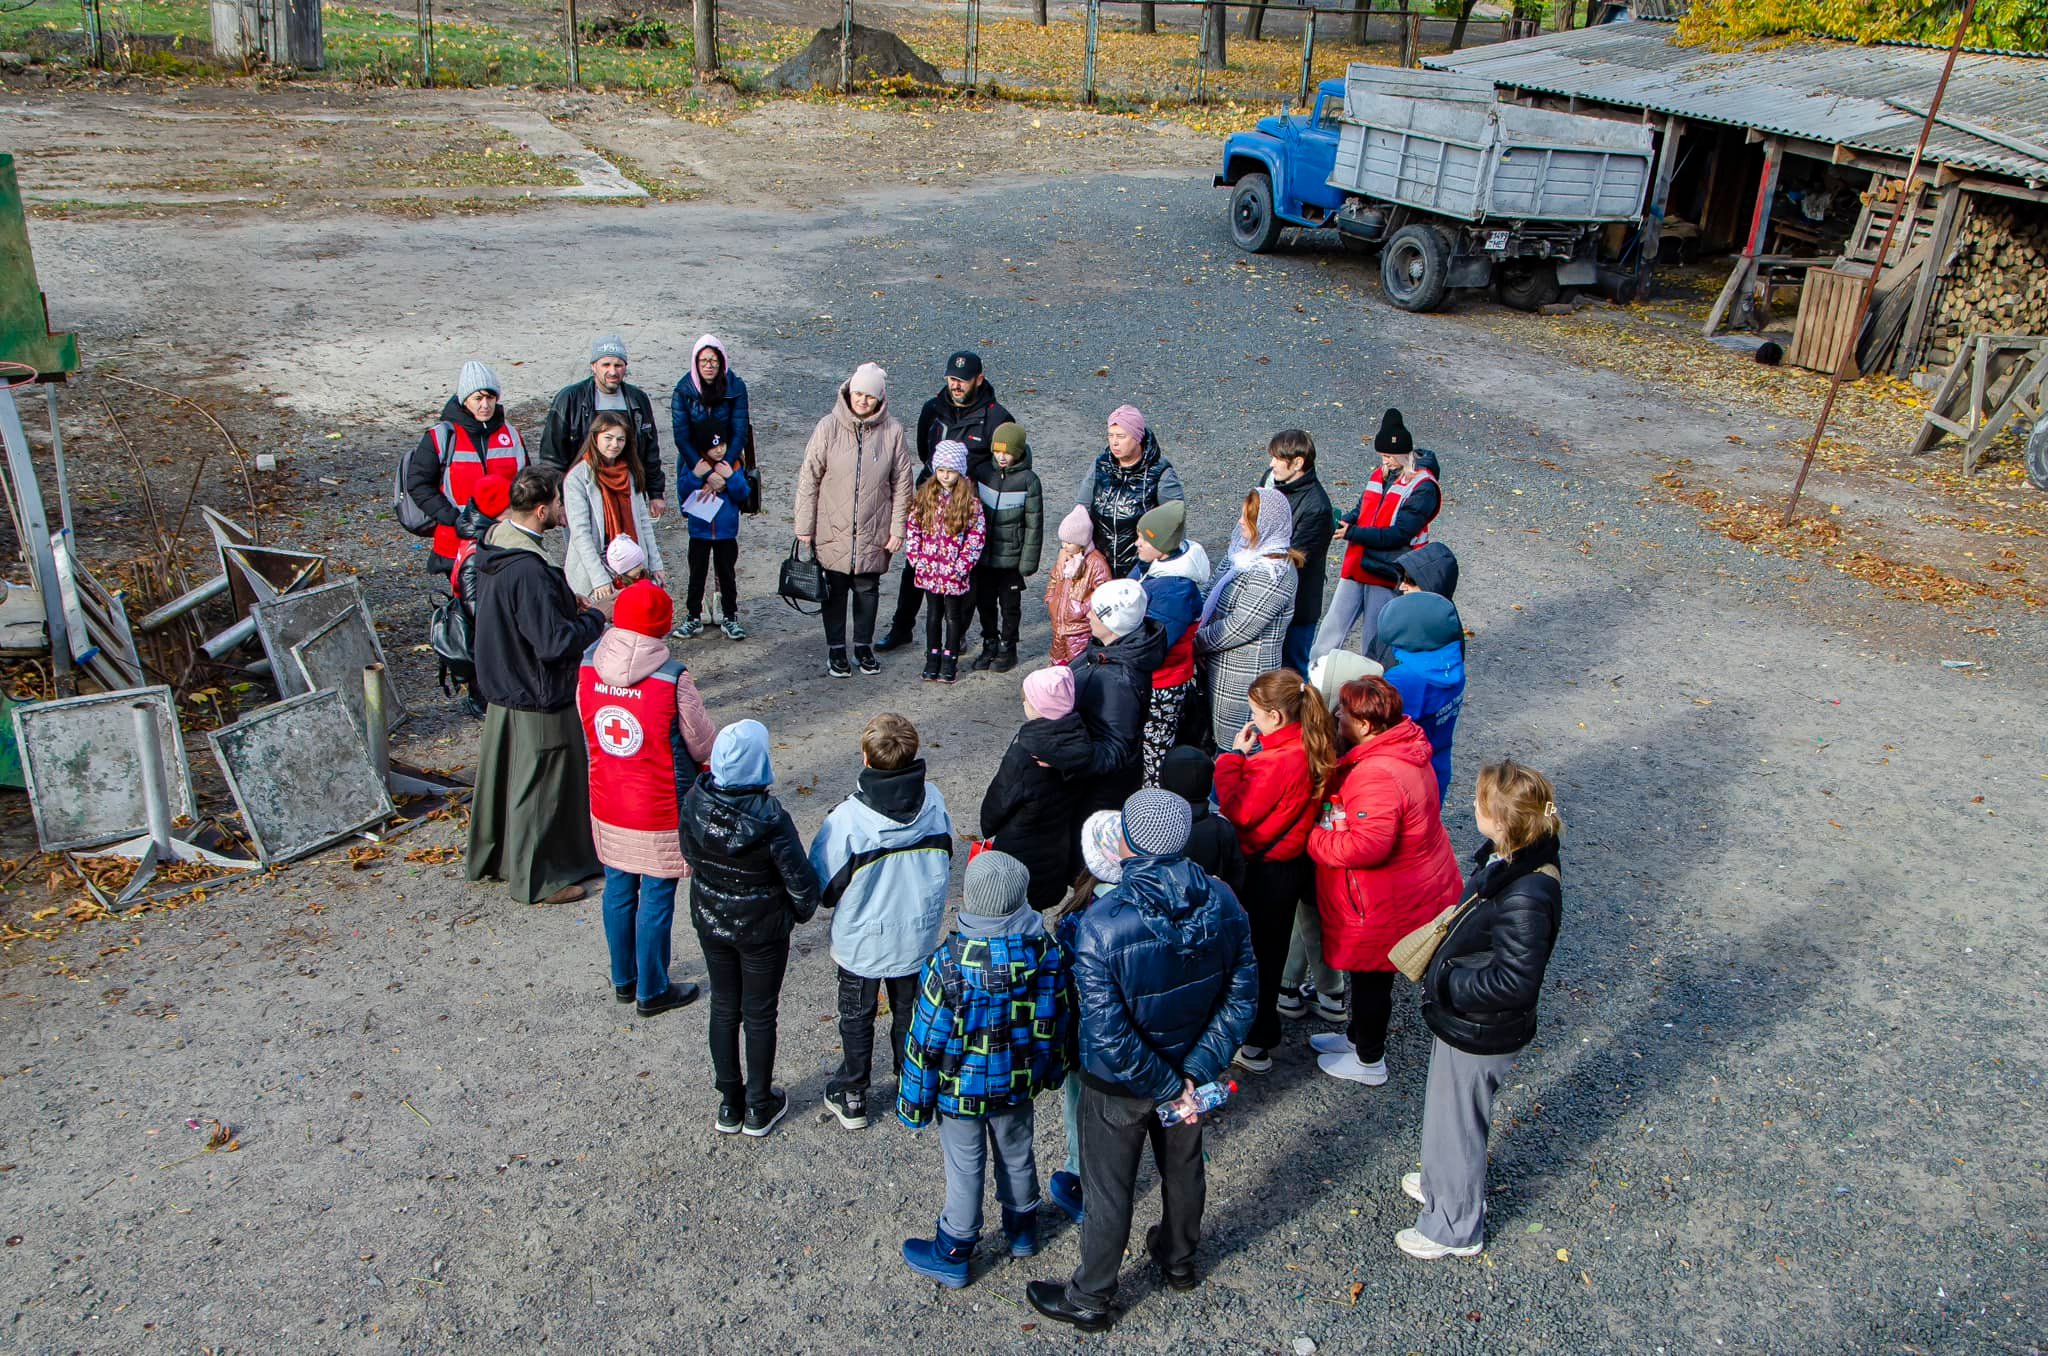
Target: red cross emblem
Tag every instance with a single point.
(617, 732)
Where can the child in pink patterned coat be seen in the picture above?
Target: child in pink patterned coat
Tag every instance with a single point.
(943, 543)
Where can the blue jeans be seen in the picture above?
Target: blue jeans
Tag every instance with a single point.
(1294, 650)
(637, 914)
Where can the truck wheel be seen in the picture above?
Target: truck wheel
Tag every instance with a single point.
(1527, 287)
(1415, 268)
(2037, 456)
(1252, 223)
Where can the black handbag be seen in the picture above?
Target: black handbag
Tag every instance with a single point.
(803, 578)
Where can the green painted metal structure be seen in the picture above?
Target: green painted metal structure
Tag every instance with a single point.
(25, 335)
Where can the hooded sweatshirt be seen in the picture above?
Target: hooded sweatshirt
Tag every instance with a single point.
(1212, 840)
(882, 859)
(530, 631)
(626, 678)
(1421, 640)
(1431, 568)
(972, 424)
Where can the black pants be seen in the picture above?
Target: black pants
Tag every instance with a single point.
(1114, 1132)
(746, 986)
(909, 598)
(863, 589)
(725, 555)
(999, 589)
(857, 1026)
(945, 624)
(1271, 890)
(1372, 1007)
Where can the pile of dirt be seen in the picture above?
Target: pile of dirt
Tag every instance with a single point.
(878, 54)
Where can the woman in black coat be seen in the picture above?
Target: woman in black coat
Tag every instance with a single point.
(1479, 998)
(750, 885)
(1027, 810)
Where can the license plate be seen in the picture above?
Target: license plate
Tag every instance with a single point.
(1496, 240)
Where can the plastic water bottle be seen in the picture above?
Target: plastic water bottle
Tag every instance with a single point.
(1207, 1098)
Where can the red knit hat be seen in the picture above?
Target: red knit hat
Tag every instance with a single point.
(644, 608)
(492, 496)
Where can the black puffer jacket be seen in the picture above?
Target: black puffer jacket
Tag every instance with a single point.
(1113, 694)
(972, 424)
(1025, 809)
(1479, 993)
(530, 631)
(750, 882)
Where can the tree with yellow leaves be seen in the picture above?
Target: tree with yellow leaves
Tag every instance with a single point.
(2018, 25)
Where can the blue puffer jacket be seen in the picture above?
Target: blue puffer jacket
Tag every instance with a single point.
(726, 525)
(694, 421)
(994, 1022)
(1421, 642)
(1164, 979)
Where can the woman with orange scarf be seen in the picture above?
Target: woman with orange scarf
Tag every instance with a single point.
(604, 497)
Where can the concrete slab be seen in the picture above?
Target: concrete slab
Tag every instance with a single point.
(84, 772)
(300, 774)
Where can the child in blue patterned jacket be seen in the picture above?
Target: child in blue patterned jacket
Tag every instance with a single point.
(992, 1031)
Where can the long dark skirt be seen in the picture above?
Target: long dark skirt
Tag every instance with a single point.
(529, 821)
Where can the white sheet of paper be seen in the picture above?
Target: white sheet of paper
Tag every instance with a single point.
(703, 505)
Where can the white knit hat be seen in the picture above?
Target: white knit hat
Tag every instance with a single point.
(869, 380)
(476, 376)
(624, 555)
(1119, 605)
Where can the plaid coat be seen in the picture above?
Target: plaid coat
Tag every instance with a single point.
(993, 1028)
(1243, 640)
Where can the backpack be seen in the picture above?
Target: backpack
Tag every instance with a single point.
(411, 516)
(452, 633)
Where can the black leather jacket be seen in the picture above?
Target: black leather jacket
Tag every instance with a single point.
(1479, 993)
(750, 882)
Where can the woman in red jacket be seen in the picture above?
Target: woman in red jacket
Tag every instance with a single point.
(1267, 787)
(1384, 866)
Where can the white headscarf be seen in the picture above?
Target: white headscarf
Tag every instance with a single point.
(1269, 552)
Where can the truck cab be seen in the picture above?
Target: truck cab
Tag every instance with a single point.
(1279, 172)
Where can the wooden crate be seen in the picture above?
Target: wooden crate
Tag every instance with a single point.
(1824, 336)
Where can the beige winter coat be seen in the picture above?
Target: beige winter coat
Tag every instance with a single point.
(853, 491)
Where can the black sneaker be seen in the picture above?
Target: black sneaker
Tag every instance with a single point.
(760, 1122)
(864, 659)
(949, 668)
(836, 665)
(623, 992)
(731, 1114)
(931, 666)
(851, 1107)
(678, 996)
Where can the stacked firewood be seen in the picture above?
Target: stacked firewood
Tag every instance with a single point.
(1999, 284)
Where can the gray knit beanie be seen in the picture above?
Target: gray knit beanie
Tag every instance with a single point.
(607, 346)
(994, 886)
(1157, 823)
(476, 376)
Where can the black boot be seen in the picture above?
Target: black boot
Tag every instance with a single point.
(949, 667)
(991, 649)
(1006, 657)
(931, 666)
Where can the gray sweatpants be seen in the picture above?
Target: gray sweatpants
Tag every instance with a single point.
(965, 1145)
(1305, 953)
(1457, 1115)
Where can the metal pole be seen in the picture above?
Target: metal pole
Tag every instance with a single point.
(230, 640)
(1308, 57)
(156, 801)
(35, 526)
(846, 47)
(973, 40)
(426, 13)
(1088, 59)
(575, 51)
(183, 603)
(57, 455)
(376, 731)
(1884, 246)
(95, 34)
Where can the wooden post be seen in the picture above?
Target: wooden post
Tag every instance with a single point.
(575, 46)
(305, 42)
(1038, 12)
(1148, 18)
(1759, 227)
(704, 36)
(1938, 245)
(1088, 55)
(846, 47)
(1660, 197)
(1405, 57)
(973, 41)
(1308, 59)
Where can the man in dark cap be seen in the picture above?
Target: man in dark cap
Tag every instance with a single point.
(966, 411)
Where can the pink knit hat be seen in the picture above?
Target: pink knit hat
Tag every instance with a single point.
(1050, 691)
(1127, 418)
(1077, 528)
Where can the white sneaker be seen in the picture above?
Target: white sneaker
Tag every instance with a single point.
(1255, 1058)
(1411, 1183)
(1415, 1244)
(1350, 1067)
(1330, 1007)
(1330, 1043)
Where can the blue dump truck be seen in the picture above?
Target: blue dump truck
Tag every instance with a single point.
(1452, 187)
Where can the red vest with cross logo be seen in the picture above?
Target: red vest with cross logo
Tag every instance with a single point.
(633, 740)
(466, 464)
(1378, 507)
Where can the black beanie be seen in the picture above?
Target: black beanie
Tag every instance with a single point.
(1393, 439)
(1187, 772)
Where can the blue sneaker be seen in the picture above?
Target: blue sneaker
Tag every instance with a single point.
(1065, 1190)
(943, 1258)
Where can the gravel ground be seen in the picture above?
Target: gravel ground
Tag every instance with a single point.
(1786, 1092)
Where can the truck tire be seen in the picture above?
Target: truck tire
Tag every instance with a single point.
(1415, 268)
(2037, 456)
(1526, 287)
(1252, 223)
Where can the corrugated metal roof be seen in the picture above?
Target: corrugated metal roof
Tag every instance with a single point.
(1831, 92)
